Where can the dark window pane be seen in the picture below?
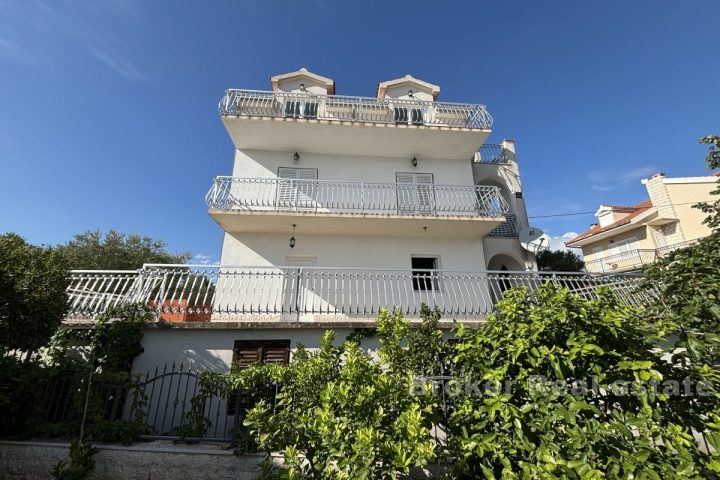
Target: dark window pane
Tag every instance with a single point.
(423, 280)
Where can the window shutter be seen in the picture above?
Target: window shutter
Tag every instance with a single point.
(287, 191)
(276, 354)
(248, 352)
(246, 356)
(419, 198)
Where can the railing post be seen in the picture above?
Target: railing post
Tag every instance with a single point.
(362, 196)
(297, 293)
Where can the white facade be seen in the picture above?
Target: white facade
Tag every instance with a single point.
(390, 201)
(337, 237)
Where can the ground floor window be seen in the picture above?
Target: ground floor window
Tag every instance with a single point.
(247, 353)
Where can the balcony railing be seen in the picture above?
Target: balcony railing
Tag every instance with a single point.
(509, 228)
(259, 103)
(321, 196)
(491, 153)
(203, 293)
(632, 259)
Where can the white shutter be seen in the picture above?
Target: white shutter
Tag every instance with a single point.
(296, 194)
(418, 195)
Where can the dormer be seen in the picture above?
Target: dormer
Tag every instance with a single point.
(609, 214)
(302, 81)
(408, 88)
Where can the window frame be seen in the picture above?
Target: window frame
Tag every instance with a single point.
(423, 281)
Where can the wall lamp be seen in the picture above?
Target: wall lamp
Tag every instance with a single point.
(296, 157)
(292, 239)
(414, 161)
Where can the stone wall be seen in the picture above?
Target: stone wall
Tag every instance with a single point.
(157, 460)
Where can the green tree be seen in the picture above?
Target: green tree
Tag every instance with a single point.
(689, 309)
(33, 301)
(559, 261)
(92, 250)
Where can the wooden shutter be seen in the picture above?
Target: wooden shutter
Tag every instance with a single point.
(249, 352)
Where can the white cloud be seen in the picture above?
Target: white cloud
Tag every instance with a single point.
(202, 259)
(558, 242)
(121, 65)
(606, 180)
(38, 32)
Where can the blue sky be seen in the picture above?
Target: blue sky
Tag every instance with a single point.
(108, 109)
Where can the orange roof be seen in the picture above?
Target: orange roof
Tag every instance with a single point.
(634, 212)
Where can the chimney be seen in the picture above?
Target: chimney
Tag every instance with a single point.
(593, 225)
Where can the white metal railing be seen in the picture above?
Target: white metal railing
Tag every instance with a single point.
(632, 259)
(233, 193)
(261, 103)
(491, 153)
(220, 292)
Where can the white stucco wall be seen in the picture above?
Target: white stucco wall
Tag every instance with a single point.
(212, 348)
(258, 249)
(350, 168)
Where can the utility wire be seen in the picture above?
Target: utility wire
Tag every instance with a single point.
(589, 213)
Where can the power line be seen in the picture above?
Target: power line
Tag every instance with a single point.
(590, 213)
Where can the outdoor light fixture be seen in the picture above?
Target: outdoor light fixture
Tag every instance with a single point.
(414, 161)
(296, 157)
(292, 239)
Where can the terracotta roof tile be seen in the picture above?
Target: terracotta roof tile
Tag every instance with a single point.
(634, 212)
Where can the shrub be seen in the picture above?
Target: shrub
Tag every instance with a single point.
(530, 430)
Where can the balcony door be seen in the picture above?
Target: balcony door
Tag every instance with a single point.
(297, 188)
(415, 193)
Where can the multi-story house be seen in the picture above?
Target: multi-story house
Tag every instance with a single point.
(337, 206)
(626, 238)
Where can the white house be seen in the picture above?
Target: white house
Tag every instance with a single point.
(336, 206)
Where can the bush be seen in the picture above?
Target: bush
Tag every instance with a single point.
(528, 429)
(342, 414)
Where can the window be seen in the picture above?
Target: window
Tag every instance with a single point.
(415, 192)
(660, 239)
(598, 258)
(404, 115)
(296, 188)
(249, 352)
(422, 278)
(624, 248)
(301, 109)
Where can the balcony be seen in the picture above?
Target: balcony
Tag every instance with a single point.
(492, 153)
(264, 120)
(181, 293)
(632, 259)
(270, 205)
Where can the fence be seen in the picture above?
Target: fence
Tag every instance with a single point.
(633, 259)
(259, 103)
(323, 196)
(159, 402)
(203, 293)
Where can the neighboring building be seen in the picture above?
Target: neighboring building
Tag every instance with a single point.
(628, 237)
